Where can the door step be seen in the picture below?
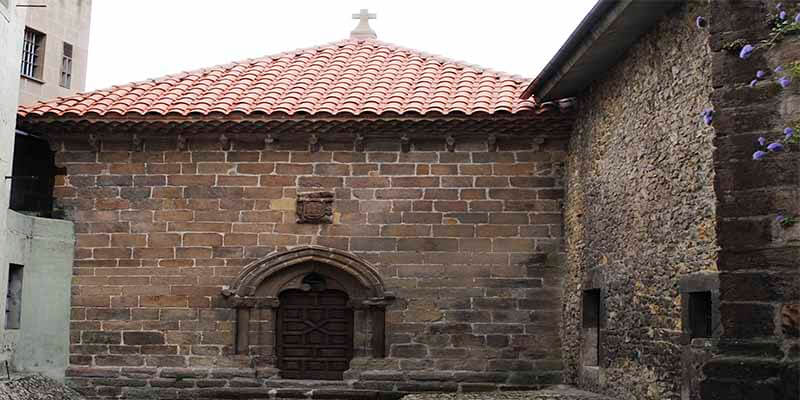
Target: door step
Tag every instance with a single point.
(298, 393)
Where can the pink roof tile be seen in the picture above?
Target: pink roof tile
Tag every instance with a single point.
(349, 77)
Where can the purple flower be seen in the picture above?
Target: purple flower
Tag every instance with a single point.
(782, 15)
(797, 18)
(779, 6)
(778, 69)
(700, 22)
(762, 141)
(747, 50)
(780, 218)
(759, 155)
(753, 83)
(775, 147)
(789, 132)
(785, 81)
(760, 74)
(708, 116)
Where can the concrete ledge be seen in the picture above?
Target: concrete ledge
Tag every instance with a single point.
(52, 229)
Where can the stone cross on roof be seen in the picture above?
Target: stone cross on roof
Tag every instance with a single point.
(363, 31)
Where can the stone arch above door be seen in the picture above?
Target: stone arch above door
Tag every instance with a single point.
(275, 271)
(258, 286)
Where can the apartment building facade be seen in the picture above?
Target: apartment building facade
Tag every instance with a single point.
(55, 49)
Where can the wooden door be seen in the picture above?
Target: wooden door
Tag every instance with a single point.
(314, 334)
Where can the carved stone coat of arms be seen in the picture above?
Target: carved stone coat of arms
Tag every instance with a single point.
(315, 208)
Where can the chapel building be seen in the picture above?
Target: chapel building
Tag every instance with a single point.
(360, 220)
(353, 212)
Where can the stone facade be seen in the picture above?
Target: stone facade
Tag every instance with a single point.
(640, 210)
(758, 351)
(463, 239)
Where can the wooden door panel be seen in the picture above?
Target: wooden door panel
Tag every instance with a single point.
(314, 334)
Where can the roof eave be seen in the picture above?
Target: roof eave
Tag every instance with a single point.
(599, 41)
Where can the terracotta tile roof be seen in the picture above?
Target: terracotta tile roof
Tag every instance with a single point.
(340, 78)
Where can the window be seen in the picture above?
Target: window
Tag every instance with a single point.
(700, 315)
(591, 328)
(32, 54)
(14, 296)
(699, 306)
(33, 176)
(66, 66)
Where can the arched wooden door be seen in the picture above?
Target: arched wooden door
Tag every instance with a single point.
(314, 334)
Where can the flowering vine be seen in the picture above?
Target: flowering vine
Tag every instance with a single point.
(781, 26)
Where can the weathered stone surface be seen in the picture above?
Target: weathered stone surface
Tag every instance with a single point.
(340, 394)
(143, 338)
(457, 236)
(758, 258)
(428, 222)
(790, 320)
(640, 207)
(409, 351)
(555, 393)
(439, 387)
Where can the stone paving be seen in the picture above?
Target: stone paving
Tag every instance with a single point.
(559, 392)
(35, 387)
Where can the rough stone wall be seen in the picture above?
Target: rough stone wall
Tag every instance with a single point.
(758, 353)
(640, 208)
(463, 239)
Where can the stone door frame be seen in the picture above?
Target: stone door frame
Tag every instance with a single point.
(258, 286)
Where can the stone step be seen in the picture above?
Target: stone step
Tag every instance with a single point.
(559, 392)
(295, 393)
(309, 384)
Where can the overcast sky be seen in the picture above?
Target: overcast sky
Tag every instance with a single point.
(135, 40)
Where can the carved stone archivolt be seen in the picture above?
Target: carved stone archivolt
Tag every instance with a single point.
(275, 273)
(259, 285)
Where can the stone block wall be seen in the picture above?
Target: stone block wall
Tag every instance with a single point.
(640, 210)
(464, 238)
(759, 260)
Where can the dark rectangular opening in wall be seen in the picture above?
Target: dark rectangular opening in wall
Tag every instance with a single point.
(700, 314)
(591, 327)
(33, 176)
(14, 296)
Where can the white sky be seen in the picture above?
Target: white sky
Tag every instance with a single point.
(138, 39)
